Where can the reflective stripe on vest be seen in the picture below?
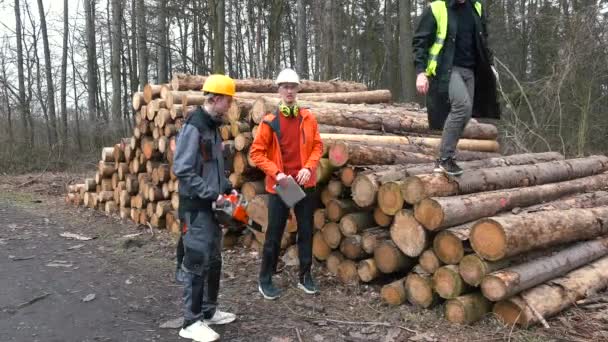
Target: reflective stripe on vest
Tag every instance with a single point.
(440, 12)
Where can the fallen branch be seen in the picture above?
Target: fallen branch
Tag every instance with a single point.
(33, 300)
(384, 324)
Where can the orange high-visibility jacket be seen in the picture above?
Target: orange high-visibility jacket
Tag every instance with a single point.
(266, 151)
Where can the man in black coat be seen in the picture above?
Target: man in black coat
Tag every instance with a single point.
(454, 68)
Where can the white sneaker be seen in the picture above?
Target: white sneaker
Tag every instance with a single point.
(221, 317)
(199, 332)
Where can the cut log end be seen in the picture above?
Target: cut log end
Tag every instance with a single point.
(419, 290)
(320, 249)
(448, 248)
(493, 288)
(390, 199)
(429, 213)
(338, 154)
(510, 312)
(466, 309)
(347, 175)
(413, 190)
(472, 269)
(447, 282)
(394, 293)
(319, 219)
(489, 240)
(368, 270)
(333, 262)
(364, 191)
(347, 272)
(408, 234)
(381, 218)
(428, 261)
(332, 235)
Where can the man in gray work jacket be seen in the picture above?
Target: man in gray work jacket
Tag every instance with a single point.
(199, 166)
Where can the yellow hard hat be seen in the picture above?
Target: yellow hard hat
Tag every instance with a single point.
(220, 84)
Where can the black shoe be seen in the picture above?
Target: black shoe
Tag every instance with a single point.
(269, 291)
(307, 284)
(448, 166)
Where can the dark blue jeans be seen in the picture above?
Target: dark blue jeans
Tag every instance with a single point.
(278, 213)
(202, 264)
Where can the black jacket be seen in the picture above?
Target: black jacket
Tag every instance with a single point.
(438, 107)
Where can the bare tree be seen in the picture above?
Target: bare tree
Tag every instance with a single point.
(89, 7)
(301, 44)
(142, 48)
(50, 94)
(116, 54)
(23, 106)
(163, 62)
(408, 77)
(274, 36)
(64, 69)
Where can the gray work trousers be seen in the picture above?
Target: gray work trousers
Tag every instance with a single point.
(461, 94)
(202, 264)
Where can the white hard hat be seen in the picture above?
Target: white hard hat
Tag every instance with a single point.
(288, 76)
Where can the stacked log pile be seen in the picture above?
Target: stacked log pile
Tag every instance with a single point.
(508, 232)
(384, 216)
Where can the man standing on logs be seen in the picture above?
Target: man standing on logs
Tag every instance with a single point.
(455, 68)
(199, 166)
(288, 143)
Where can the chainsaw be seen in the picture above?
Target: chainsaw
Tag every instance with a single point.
(232, 211)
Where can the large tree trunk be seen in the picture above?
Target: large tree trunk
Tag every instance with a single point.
(464, 144)
(219, 33)
(467, 309)
(142, 49)
(20, 73)
(450, 244)
(301, 44)
(64, 69)
(387, 119)
(361, 154)
(92, 83)
(441, 212)
(367, 183)
(499, 237)
(507, 282)
(416, 188)
(115, 62)
(408, 73)
(163, 47)
(49, 74)
(360, 97)
(195, 82)
(409, 235)
(554, 296)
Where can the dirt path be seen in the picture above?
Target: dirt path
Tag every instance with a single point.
(44, 278)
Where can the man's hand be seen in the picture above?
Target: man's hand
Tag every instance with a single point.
(220, 200)
(422, 83)
(303, 176)
(281, 177)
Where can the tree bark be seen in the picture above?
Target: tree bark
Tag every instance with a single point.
(441, 212)
(507, 282)
(219, 34)
(408, 73)
(342, 153)
(499, 237)
(301, 42)
(163, 47)
(416, 188)
(117, 13)
(92, 83)
(142, 40)
(195, 82)
(387, 119)
(554, 296)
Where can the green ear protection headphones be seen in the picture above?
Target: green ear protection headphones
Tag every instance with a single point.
(289, 111)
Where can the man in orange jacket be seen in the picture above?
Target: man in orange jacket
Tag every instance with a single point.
(288, 143)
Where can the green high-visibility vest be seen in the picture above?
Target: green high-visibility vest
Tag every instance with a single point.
(440, 12)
